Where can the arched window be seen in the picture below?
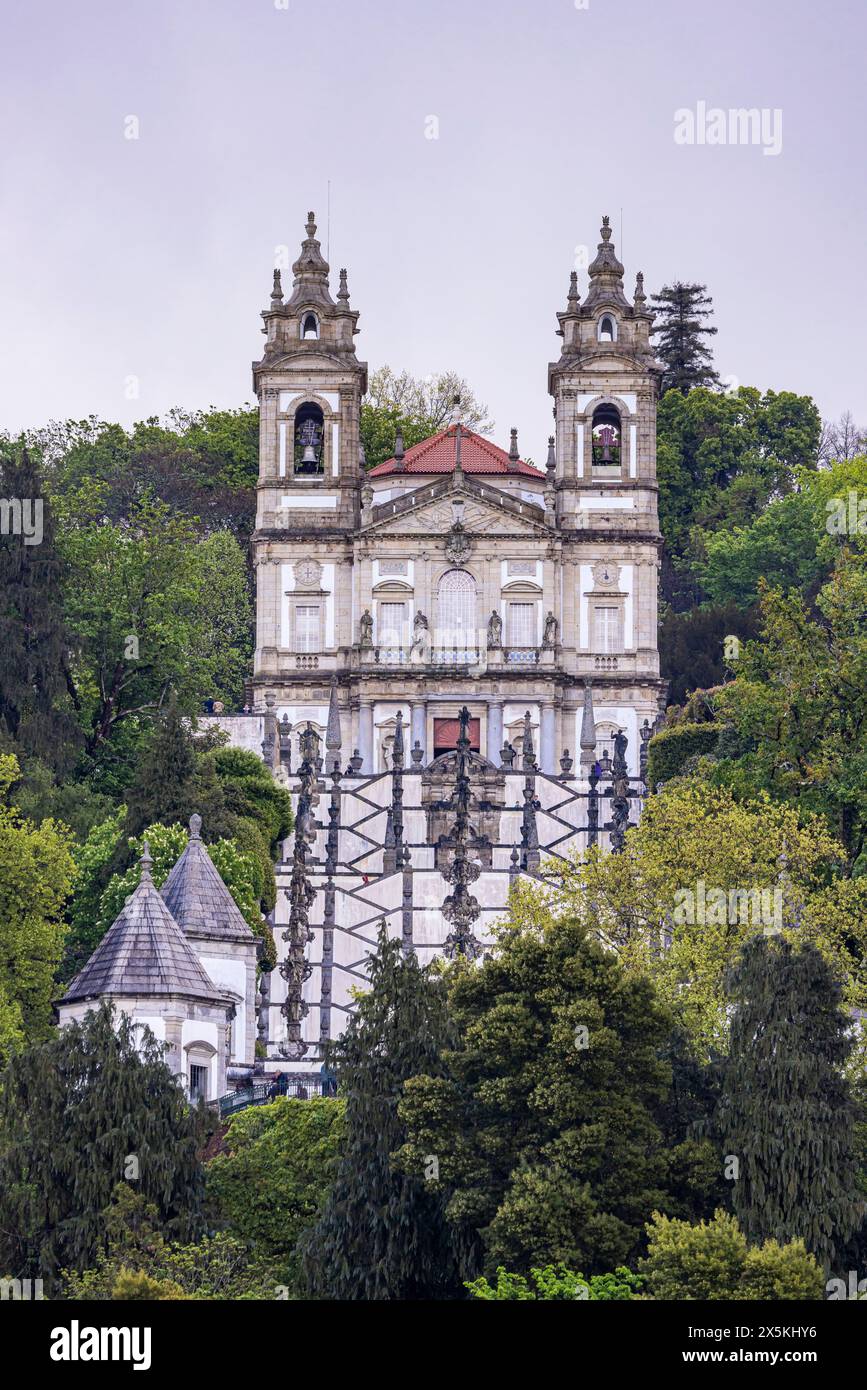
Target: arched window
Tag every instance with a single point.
(607, 329)
(606, 436)
(309, 431)
(456, 611)
(310, 326)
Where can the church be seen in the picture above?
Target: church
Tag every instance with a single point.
(456, 669)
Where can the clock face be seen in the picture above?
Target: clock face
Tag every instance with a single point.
(307, 572)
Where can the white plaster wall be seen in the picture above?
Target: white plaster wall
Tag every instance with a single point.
(231, 975)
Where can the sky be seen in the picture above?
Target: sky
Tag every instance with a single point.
(471, 148)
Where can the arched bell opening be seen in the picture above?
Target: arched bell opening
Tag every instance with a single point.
(309, 435)
(606, 437)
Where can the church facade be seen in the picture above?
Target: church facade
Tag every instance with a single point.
(456, 664)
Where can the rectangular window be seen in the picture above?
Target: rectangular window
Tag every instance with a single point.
(392, 625)
(607, 629)
(307, 627)
(522, 625)
(198, 1082)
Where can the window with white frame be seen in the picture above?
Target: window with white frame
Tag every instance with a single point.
(521, 628)
(456, 609)
(607, 628)
(307, 627)
(392, 624)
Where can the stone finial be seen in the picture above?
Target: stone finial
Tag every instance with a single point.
(145, 861)
(343, 292)
(276, 291)
(604, 230)
(551, 463)
(195, 826)
(639, 297)
(588, 729)
(399, 451)
(514, 456)
(573, 298)
(311, 226)
(333, 737)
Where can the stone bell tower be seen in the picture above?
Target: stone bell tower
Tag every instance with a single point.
(310, 385)
(605, 388)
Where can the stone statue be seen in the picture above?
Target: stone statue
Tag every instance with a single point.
(495, 630)
(366, 625)
(549, 638)
(419, 651)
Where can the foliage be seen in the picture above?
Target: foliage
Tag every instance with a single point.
(695, 845)
(420, 407)
(670, 751)
(555, 1282)
(104, 1094)
(36, 875)
(799, 703)
(787, 1112)
(692, 646)
(35, 719)
(382, 1234)
(680, 327)
(712, 1260)
(546, 1123)
(136, 1256)
(270, 1184)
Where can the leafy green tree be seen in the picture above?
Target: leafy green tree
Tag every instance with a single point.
(35, 718)
(681, 326)
(381, 1234)
(546, 1125)
(713, 1260)
(105, 1094)
(165, 786)
(692, 646)
(556, 1283)
(787, 1112)
(136, 1261)
(799, 705)
(36, 875)
(421, 407)
(271, 1181)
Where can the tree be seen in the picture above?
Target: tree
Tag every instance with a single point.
(270, 1183)
(165, 788)
(106, 1097)
(692, 646)
(545, 1127)
(787, 1113)
(36, 875)
(382, 1234)
(799, 704)
(703, 871)
(34, 704)
(421, 407)
(679, 330)
(557, 1283)
(712, 1260)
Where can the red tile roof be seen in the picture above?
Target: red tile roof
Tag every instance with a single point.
(437, 455)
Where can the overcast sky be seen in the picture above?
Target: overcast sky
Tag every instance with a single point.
(151, 258)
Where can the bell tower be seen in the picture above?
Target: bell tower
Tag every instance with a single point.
(605, 388)
(310, 384)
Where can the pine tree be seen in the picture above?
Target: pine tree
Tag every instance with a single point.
(382, 1234)
(78, 1115)
(787, 1112)
(681, 310)
(173, 780)
(33, 639)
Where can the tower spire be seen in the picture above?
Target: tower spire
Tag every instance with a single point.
(606, 273)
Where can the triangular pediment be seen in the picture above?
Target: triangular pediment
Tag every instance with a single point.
(428, 511)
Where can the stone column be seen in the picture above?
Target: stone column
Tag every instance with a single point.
(495, 730)
(547, 737)
(418, 727)
(365, 735)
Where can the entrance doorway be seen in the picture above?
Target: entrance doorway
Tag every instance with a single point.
(446, 735)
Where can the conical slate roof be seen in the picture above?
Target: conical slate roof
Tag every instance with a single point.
(144, 952)
(197, 897)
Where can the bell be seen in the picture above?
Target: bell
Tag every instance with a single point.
(309, 455)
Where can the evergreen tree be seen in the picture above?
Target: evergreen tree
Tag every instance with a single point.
(173, 780)
(75, 1114)
(382, 1234)
(679, 330)
(787, 1113)
(548, 1122)
(33, 638)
